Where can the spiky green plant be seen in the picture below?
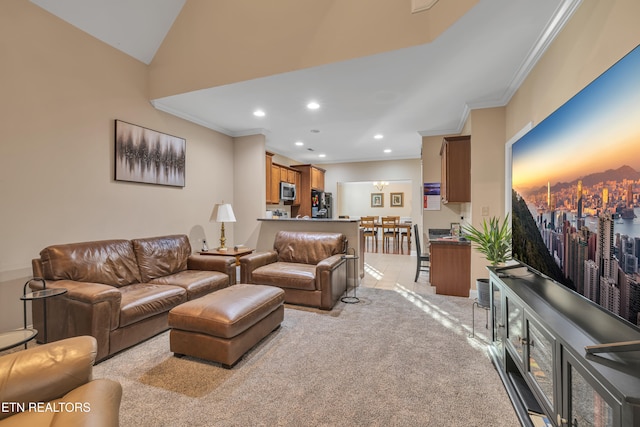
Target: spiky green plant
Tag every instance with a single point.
(493, 240)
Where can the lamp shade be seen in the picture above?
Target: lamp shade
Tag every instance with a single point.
(223, 212)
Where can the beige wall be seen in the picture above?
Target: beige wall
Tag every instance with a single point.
(487, 176)
(250, 193)
(61, 91)
(391, 170)
(431, 170)
(598, 35)
(354, 199)
(213, 43)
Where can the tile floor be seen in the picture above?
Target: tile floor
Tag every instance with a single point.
(384, 270)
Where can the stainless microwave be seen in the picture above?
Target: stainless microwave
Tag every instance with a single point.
(287, 191)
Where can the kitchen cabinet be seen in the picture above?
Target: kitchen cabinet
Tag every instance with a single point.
(275, 174)
(269, 179)
(311, 178)
(450, 268)
(455, 156)
(317, 179)
(275, 184)
(542, 338)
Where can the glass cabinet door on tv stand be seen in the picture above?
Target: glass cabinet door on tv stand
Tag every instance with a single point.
(588, 403)
(497, 322)
(550, 356)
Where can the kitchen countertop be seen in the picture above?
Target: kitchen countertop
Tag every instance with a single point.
(311, 219)
(443, 236)
(449, 240)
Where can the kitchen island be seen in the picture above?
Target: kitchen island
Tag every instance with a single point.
(349, 227)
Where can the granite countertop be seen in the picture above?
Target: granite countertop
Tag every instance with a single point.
(311, 219)
(449, 240)
(443, 235)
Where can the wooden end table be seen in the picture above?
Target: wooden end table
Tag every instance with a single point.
(236, 253)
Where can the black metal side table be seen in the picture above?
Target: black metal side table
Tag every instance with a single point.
(39, 295)
(353, 257)
(15, 338)
(473, 316)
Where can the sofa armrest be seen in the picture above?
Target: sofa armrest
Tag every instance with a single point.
(101, 405)
(87, 292)
(86, 309)
(250, 262)
(330, 263)
(223, 264)
(331, 280)
(46, 372)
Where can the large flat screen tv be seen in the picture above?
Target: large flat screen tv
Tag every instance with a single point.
(576, 192)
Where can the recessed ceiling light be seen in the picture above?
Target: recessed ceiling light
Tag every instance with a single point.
(313, 105)
(378, 136)
(388, 150)
(322, 155)
(299, 143)
(259, 113)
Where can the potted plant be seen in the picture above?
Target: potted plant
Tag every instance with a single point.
(493, 240)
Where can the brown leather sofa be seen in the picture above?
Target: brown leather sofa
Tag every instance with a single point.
(121, 291)
(52, 385)
(308, 266)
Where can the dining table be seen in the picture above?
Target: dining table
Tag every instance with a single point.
(406, 226)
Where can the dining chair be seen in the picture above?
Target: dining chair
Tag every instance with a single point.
(389, 231)
(420, 257)
(405, 231)
(369, 229)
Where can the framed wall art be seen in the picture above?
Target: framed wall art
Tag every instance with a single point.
(397, 200)
(149, 156)
(377, 200)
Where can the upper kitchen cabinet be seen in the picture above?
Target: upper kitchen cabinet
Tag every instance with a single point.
(275, 174)
(311, 178)
(455, 155)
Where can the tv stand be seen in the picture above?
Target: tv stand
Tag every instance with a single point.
(614, 347)
(544, 341)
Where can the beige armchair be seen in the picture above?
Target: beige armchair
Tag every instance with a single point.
(52, 385)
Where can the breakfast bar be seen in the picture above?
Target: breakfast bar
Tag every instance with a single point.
(349, 227)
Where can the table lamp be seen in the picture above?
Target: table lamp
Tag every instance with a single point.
(222, 213)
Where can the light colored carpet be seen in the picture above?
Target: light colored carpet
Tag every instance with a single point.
(395, 359)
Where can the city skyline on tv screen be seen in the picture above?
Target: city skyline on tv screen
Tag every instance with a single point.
(576, 191)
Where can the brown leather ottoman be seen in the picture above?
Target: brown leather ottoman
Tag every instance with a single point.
(224, 325)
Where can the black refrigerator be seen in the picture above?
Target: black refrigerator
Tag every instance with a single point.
(321, 204)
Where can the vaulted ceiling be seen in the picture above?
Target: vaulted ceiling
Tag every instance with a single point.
(401, 94)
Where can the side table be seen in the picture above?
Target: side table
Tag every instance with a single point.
(15, 338)
(39, 295)
(237, 253)
(353, 257)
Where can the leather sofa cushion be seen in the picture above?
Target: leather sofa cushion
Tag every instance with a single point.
(196, 282)
(287, 275)
(227, 312)
(161, 256)
(308, 247)
(111, 262)
(143, 300)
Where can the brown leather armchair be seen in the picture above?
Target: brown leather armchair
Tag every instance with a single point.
(307, 265)
(51, 385)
